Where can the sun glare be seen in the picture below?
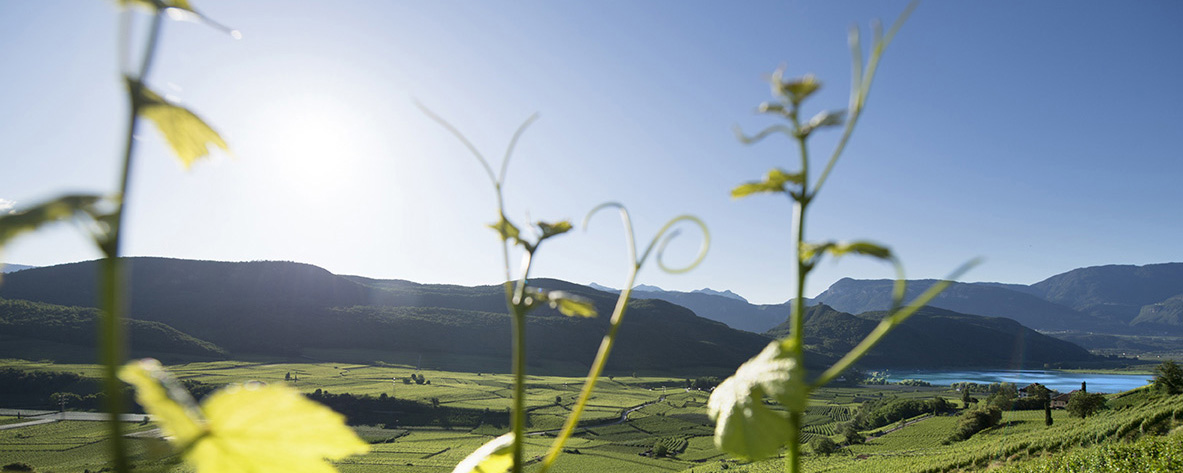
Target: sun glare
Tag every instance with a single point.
(314, 140)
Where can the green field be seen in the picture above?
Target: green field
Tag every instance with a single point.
(662, 412)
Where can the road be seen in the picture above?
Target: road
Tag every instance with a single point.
(37, 417)
(623, 418)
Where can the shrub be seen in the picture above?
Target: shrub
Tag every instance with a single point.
(823, 445)
(1084, 404)
(974, 421)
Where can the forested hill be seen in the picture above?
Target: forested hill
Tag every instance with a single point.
(288, 309)
(935, 338)
(1116, 299)
(1116, 292)
(24, 321)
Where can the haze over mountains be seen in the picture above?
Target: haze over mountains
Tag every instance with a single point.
(1116, 299)
(12, 268)
(194, 309)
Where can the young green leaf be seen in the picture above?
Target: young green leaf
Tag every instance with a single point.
(495, 456)
(773, 182)
(571, 305)
(155, 4)
(61, 208)
(796, 90)
(164, 398)
(744, 425)
(189, 136)
(553, 229)
(822, 120)
(810, 251)
(506, 229)
(245, 428)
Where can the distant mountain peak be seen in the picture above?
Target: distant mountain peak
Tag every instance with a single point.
(601, 287)
(12, 268)
(726, 293)
(647, 288)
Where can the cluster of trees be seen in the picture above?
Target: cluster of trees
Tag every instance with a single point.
(975, 420)
(879, 412)
(45, 389)
(703, 383)
(1168, 378)
(383, 409)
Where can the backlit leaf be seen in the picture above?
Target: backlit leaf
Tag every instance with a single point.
(154, 4)
(163, 398)
(822, 120)
(189, 136)
(796, 90)
(552, 229)
(506, 229)
(61, 208)
(744, 425)
(862, 248)
(774, 181)
(245, 428)
(571, 305)
(495, 456)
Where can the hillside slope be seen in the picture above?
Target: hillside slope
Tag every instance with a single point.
(858, 296)
(935, 338)
(24, 320)
(1116, 292)
(280, 308)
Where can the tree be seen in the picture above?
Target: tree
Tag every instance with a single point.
(976, 420)
(851, 434)
(1084, 404)
(1004, 398)
(288, 376)
(1168, 378)
(558, 400)
(965, 397)
(1043, 395)
(823, 445)
(660, 450)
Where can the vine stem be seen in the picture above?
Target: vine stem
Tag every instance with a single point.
(800, 205)
(518, 309)
(593, 375)
(112, 344)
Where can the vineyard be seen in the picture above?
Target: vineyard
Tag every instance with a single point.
(667, 427)
(1020, 436)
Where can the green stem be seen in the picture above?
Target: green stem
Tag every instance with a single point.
(519, 386)
(112, 345)
(518, 309)
(800, 204)
(593, 375)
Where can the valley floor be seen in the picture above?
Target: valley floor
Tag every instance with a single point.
(663, 412)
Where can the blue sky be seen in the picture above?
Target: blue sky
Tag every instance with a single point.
(1039, 136)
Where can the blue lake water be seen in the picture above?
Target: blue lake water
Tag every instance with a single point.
(1062, 381)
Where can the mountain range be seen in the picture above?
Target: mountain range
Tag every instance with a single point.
(1116, 299)
(293, 310)
(934, 337)
(206, 309)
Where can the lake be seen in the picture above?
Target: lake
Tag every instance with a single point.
(1062, 381)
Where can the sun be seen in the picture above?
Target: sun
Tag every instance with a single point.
(314, 140)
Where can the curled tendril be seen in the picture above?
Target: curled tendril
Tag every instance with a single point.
(659, 242)
(630, 238)
(665, 240)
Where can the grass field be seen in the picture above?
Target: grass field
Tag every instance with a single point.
(662, 412)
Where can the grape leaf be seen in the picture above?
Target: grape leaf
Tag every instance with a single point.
(188, 135)
(245, 428)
